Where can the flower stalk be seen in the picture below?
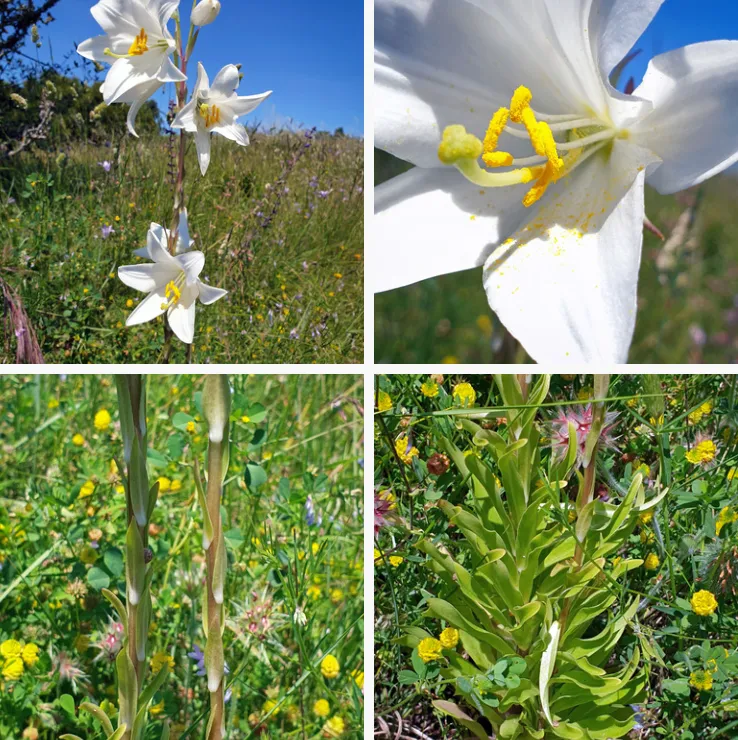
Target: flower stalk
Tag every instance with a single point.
(216, 410)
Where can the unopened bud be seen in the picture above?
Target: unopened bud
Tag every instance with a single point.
(216, 405)
(205, 12)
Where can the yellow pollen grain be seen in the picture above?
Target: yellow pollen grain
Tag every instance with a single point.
(497, 159)
(520, 103)
(139, 45)
(458, 144)
(495, 129)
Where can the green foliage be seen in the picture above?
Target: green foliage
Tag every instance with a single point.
(293, 590)
(287, 243)
(594, 598)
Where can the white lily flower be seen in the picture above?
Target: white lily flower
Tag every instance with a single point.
(214, 109)
(205, 12)
(138, 44)
(172, 281)
(559, 230)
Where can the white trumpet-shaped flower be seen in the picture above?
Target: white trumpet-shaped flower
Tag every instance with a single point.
(171, 281)
(214, 109)
(205, 12)
(530, 163)
(138, 45)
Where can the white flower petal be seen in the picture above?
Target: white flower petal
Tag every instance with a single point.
(144, 92)
(431, 222)
(565, 285)
(202, 84)
(191, 263)
(94, 49)
(165, 10)
(234, 131)
(202, 142)
(226, 81)
(125, 81)
(186, 117)
(157, 247)
(149, 308)
(209, 294)
(693, 125)
(169, 72)
(144, 277)
(182, 315)
(115, 16)
(456, 61)
(615, 26)
(244, 104)
(183, 233)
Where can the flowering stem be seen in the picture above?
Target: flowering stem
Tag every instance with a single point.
(216, 410)
(131, 661)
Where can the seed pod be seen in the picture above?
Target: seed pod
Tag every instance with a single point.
(438, 463)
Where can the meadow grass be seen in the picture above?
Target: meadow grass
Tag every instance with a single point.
(293, 528)
(678, 432)
(686, 313)
(280, 223)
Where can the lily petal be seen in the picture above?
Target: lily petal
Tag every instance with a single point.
(145, 278)
(693, 125)
(149, 308)
(94, 49)
(191, 263)
(244, 104)
(234, 131)
(115, 16)
(565, 285)
(169, 72)
(183, 233)
(186, 117)
(209, 294)
(145, 93)
(202, 142)
(431, 222)
(126, 77)
(182, 315)
(226, 81)
(202, 83)
(615, 26)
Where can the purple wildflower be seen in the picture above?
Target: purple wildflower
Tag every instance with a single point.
(107, 230)
(558, 431)
(199, 657)
(107, 166)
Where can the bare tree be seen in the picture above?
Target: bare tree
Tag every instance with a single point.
(17, 18)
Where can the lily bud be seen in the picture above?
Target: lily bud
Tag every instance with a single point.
(205, 12)
(216, 406)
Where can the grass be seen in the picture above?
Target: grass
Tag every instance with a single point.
(280, 223)
(686, 313)
(690, 543)
(294, 440)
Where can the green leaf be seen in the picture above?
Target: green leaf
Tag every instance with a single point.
(99, 715)
(234, 539)
(256, 413)
(135, 564)
(455, 711)
(113, 559)
(98, 578)
(118, 606)
(255, 475)
(408, 677)
(66, 702)
(180, 421)
(548, 662)
(680, 686)
(418, 664)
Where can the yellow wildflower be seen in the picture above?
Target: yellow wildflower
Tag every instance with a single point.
(429, 649)
(652, 561)
(53, 403)
(30, 654)
(175, 486)
(157, 708)
(429, 389)
(701, 680)
(336, 596)
(88, 488)
(13, 669)
(161, 659)
(405, 452)
(645, 517)
(464, 394)
(270, 706)
(190, 426)
(164, 484)
(102, 420)
(329, 666)
(322, 708)
(358, 677)
(727, 516)
(11, 649)
(703, 452)
(78, 440)
(334, 727)
(703, 603)
(396, 560)
(384, 402)
(449, 638)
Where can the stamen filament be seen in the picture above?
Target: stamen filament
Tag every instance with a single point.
(576, 123)
(587, 140)
(474, 173)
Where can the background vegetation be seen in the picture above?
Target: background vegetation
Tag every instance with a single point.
(678, 431)
(293, 521)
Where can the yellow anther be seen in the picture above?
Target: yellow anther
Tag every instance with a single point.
(496, 127)
(497, 159)
(457, 144)
(173, 293)
(546, 175)
(211, 114)
(548, 145)
(139, 45)
(520, 103)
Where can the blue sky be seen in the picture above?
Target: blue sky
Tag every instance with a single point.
(682, 22)
(310, 53)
